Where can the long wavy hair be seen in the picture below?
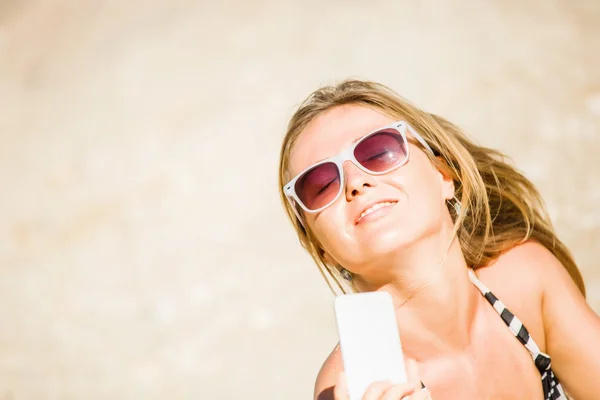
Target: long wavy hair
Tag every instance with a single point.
(501, 208)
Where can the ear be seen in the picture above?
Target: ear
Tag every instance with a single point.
(448, 188)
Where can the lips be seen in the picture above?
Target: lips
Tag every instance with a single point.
(372, 207)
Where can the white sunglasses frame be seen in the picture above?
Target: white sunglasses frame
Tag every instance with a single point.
(348, 155)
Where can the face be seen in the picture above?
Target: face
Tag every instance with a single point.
(409, 201)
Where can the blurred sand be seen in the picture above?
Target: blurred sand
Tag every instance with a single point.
(143, 250)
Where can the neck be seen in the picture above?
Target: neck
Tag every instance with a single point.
(435, 301)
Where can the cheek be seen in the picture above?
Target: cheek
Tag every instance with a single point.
(329, 228)
(426, 194)
(423, 190)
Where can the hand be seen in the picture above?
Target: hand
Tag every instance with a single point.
(385, 390)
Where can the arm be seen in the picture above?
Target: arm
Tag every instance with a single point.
(328, 375)
(571, 327)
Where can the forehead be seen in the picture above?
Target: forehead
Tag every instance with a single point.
(332, 132)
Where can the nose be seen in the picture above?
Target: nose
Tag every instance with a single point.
(357, 180)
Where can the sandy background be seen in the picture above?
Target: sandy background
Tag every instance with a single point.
(143, 250)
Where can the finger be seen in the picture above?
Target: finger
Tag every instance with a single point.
(376, 390)
(412, 373)
(397, 392)
(422, 394)
(340, 390)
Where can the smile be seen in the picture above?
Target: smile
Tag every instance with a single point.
(374, 208)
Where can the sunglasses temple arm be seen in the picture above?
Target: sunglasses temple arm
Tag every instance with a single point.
(419, 139)
(295, 208)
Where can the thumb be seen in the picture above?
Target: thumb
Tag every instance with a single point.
(340, 391)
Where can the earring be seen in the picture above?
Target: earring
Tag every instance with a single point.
(456, 205)
(346, 274)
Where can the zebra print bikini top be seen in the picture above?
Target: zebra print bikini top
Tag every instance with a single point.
(552, 387)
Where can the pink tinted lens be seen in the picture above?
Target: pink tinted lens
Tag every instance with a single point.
(381, 151)
(318, 186)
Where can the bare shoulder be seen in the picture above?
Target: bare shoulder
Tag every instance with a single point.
(570, 327)
(328, 375)
(518, 278)
(530, 260)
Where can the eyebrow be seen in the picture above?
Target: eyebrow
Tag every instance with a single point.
(409, 138)
(358, 139)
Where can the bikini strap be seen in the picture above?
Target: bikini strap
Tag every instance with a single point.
(542, 360)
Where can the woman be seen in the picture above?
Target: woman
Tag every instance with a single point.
(385, 196)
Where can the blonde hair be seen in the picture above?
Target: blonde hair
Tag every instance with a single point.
(503, 208)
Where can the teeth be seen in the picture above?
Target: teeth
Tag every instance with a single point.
(375, 207)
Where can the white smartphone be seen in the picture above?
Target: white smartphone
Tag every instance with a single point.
(369, 340)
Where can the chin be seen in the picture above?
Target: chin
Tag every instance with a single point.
(385, 242)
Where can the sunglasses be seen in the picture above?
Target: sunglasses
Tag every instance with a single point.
(377, 153)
